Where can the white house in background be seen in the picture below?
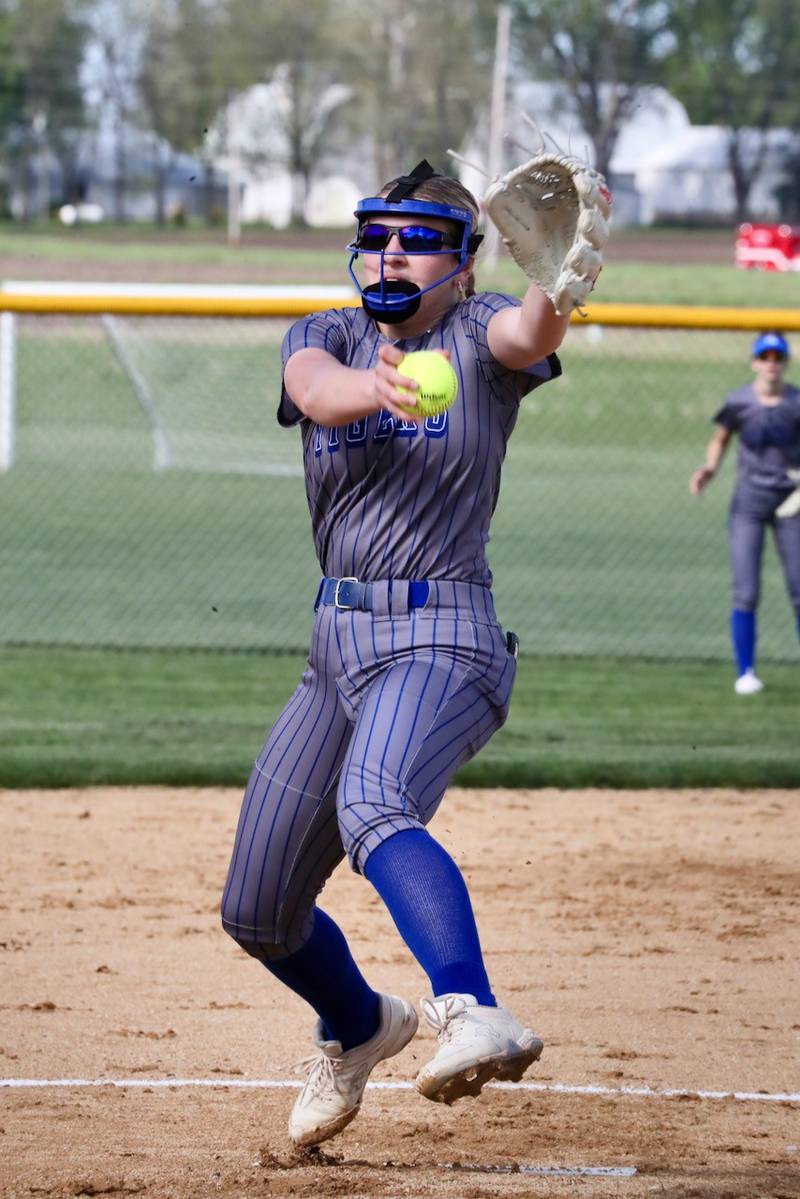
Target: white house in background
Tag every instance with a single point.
(662, 165)
(266, 185)
(689, 176)
(657, 119)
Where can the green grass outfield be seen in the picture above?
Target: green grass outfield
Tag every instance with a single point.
(310, 257)
(615, 579)
(597, 547)
(78, 718)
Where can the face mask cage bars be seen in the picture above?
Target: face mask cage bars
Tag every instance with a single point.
(381, 296)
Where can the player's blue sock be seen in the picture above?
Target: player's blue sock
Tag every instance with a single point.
(743, 635)
(324, 973)
(428, 900)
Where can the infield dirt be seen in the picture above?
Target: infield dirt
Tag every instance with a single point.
(651, 938)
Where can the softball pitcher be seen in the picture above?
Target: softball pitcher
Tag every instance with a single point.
(766, 416)
(409, 672)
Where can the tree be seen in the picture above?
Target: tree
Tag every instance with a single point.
(408, 79)
(604, 53)
(422, 73)
(204, 31)
(733, 65)
(12, 99)
(42, 44)
(12, 91)
(182, 81)
(298, 49)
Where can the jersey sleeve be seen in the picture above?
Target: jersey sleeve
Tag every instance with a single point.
(509, 386)
(730, 414)
(320, 331)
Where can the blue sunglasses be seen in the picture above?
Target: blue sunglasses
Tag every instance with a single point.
(373, 237)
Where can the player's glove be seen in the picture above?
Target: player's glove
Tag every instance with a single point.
(791, 505)
(552, 213)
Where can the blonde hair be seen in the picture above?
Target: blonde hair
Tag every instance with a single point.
(442, 189)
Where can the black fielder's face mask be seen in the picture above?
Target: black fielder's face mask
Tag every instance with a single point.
(392, 301)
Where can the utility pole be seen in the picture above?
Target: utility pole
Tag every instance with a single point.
(234, 157)
(497, 118)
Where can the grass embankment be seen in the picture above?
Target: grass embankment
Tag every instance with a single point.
(77, 718)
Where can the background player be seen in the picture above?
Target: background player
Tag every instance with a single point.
(766, 416)
(409, 672)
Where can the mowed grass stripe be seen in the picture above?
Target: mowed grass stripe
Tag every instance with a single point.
(77, 718)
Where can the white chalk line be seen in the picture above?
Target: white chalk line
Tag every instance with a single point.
(555, 1088)
(546, 1171)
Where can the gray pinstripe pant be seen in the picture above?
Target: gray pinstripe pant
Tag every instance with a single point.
(391, 704)
(746, 535)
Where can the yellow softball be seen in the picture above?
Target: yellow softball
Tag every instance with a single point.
(438, 385)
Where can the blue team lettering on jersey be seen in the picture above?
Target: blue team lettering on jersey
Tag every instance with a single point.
(387, 426)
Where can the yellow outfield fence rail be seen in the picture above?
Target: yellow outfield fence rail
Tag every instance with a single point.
(150, 498)
(152, 303)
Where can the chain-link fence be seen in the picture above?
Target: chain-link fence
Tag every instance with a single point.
(152, 500)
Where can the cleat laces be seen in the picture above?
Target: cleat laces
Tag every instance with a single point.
(443, 1016)
(321, 1073)
(325, 1074)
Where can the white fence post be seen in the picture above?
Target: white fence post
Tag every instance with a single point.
(8, 347)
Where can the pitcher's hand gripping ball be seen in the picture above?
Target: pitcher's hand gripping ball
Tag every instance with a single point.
(438, 385)
(552, 213)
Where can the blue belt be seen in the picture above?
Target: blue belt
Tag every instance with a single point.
(350, 593)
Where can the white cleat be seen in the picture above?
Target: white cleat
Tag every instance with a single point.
(476, 1044)
(333, 1090)
(748, 684)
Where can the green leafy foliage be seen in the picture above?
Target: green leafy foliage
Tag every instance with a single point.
(733, 64)
(603, 53)
(42, 44)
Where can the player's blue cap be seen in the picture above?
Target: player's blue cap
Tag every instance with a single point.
(770, 341)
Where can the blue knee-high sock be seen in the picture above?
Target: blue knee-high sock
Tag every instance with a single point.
(743, 635)
(428, 900)
(324, 973)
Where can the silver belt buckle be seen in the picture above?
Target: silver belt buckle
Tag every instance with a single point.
(336, 603)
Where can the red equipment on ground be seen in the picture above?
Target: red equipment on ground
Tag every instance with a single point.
(768, 247)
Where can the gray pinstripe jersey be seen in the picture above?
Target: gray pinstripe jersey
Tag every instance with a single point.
(405, 501)
(769, 437)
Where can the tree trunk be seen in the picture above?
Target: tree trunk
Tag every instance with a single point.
(209, 184)
(160, 182)
(741, 178)
(299, 191)
(120, 168)
(28, 184)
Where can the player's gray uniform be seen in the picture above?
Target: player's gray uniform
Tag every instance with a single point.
(769, 445)
(396, 696)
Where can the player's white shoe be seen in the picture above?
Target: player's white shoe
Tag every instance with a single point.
(333, 1090)
(476, 1044)
(748, 684)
